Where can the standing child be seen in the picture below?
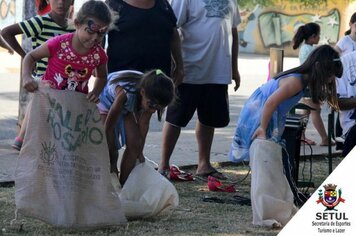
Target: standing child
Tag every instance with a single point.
(126, 105)
(39, 29)
(264, 113)
(348, 43)
(310, 35)
(73, 57)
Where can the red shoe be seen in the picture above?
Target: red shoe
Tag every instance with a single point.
(216, 186)
(176, 174)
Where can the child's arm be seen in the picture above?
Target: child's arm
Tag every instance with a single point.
(29, 63)
(9, 33)
(145, 124)
(288, 87)
(338, 49)
(111, 121)
(100, 82)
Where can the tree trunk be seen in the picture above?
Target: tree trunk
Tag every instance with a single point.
(29, 10)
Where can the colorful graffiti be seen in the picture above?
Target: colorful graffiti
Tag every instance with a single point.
(278, 28)
(265, 27)
(7, 12)
(7, 9)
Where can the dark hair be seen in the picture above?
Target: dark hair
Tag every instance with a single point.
(158, 87)
(42, 4)
(352, 20)
(304, 32)
(322, 63)
(95, 9)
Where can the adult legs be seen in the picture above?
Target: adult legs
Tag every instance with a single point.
(205, 136)
(178, 115)
(213, 112)
(170, 137)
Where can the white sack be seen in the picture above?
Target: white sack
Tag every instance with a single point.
(271, 196)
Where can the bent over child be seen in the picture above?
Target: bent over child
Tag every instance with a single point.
(126, 105)
(264, 113)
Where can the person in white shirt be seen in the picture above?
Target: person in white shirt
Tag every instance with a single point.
(346, 90)
(209, 43)
(348, 43)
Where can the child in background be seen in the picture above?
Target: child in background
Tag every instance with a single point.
(39, 29)
(43, 7)
(3, 44)
(307, 36)
(348, 43)
(72, 57)
(126, 106)
(264, 113)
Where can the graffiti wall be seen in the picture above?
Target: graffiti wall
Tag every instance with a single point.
(265, 27)
(10, 12)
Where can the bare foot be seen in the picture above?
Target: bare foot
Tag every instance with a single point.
(326, 143)
(308, 141)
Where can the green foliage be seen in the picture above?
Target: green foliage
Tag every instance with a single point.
(252, 3)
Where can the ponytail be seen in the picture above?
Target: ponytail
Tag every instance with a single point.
(304, 32)
(352, 20)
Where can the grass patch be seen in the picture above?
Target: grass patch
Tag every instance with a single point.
(192, 217)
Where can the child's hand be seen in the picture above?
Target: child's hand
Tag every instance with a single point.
(30, 85)
(259, 133)
(92, 97)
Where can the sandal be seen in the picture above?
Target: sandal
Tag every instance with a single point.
(174, 173)
(17, 144)
(216, 186)
(214, 173)
(327, 144)
(164, 173)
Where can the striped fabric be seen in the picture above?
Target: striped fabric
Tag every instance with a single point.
(40, 29)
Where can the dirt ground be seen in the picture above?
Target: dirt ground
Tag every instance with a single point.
(200, 211)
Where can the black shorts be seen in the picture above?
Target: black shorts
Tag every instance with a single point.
(210, 100)
(350, 141)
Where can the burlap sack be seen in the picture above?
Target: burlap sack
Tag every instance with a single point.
(62, 175)
(271, 196)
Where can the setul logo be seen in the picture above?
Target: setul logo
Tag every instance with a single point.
(331, 197)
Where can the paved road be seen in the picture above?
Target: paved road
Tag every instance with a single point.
(253, 70)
